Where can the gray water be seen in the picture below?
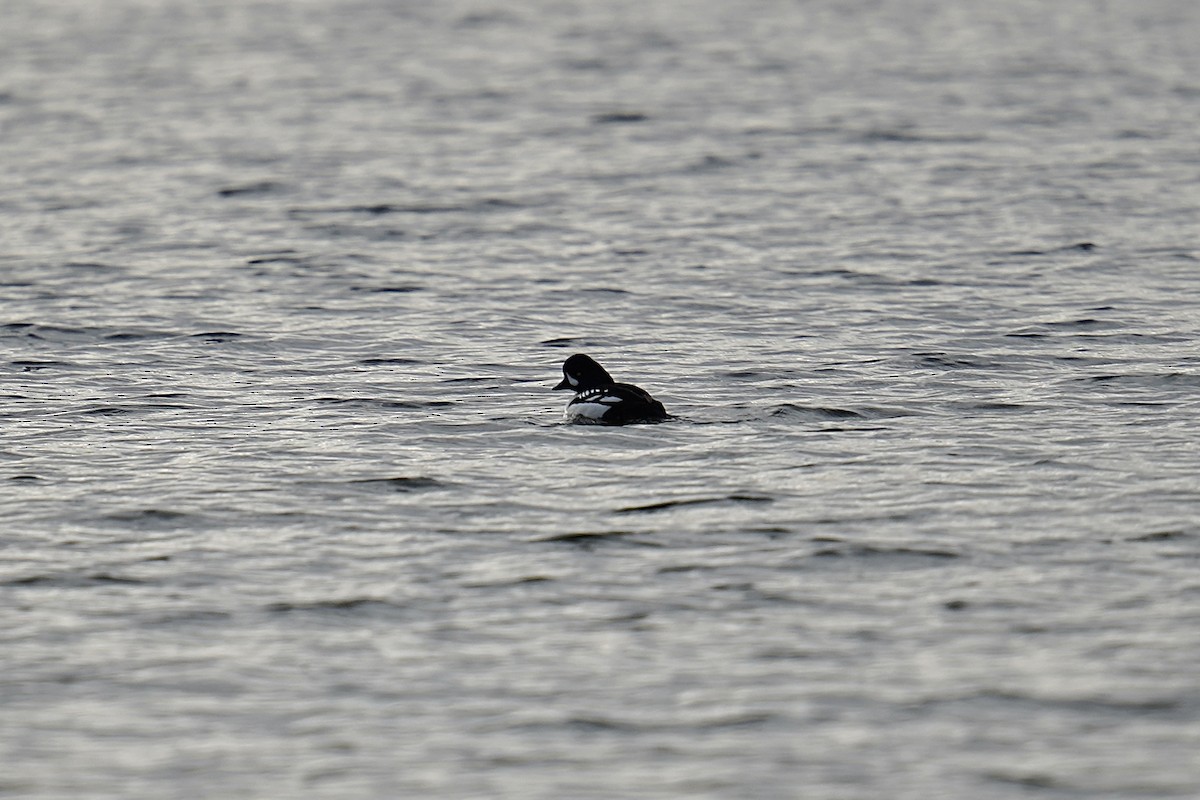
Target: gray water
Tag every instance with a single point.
(289, 510)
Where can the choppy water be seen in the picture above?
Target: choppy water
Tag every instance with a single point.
(288, 509)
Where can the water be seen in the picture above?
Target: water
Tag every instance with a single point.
(288, 507)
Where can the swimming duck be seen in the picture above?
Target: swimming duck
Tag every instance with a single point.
(599, 400)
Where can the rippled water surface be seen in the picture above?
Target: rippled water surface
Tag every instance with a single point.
(288, 508)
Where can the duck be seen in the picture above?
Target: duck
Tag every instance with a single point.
(599, 400)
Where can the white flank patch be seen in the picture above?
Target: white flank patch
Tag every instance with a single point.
(588, 410)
